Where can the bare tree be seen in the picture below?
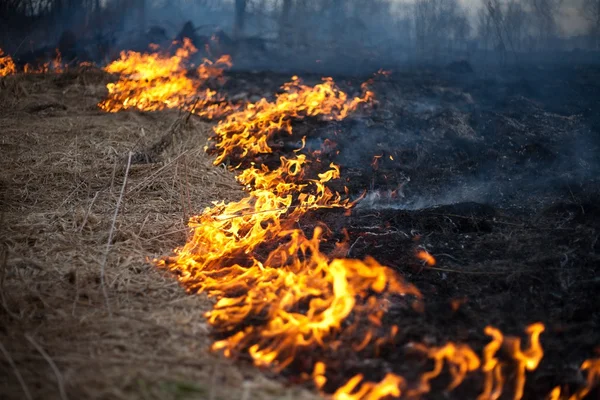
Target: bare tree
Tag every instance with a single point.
(285, 30)
(591, 11)
(439, 24)
(497, 22)
(484, 27)
(515, 19)
(544, 20)
(240, 18)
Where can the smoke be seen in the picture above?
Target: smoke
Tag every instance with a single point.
(334, 36)
(511, 140)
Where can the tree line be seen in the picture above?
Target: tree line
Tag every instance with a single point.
(425, 28)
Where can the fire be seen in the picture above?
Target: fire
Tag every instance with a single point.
(426, 257)
(7, 65)
(247, 132)
(353, 390)
(592, 368)
(277, 293)
(55, 65)
(230, 258)
(460, 361)
(156, 81)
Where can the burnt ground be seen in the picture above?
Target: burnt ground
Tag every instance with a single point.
(495, 174)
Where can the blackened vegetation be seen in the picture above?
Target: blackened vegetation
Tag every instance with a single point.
(496, 175)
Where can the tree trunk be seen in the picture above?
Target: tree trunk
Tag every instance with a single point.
(284, 23)
(142, 15)
(240, 16)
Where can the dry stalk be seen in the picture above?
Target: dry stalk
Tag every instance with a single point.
(153, 175)
(16, 371)
(59, 377)
(87, 213)
(110, 236)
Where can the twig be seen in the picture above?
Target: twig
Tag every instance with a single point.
(69, 196)
(110, 236)
(353, 244)
(469, 272)
(149, 178)
(213, 381)
(87, 213)
(3, 271)
(16, 371)
(192, 109)
(447, 255)
(59, 377)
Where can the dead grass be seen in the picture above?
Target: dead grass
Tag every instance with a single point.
(61, 172)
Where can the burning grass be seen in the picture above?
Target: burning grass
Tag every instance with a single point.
(7, 65)
(158, 81)
(288, 301)
(61, 177)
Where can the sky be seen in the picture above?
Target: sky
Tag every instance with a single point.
(570, 19)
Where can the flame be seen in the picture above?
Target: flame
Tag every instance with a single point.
(460, 360)
(375, 162)
(156, 81)
(223, 258)
(391, 385)
(278, 294)
(526, 360)
(491, 367)
(592, 367)
(247, 132)
(55, 65)
(426, 257)
(7, 65)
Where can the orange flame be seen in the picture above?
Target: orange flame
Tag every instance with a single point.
(592, 367)
(426, 257)
(391, 385)
(156, 81)
(222, 258)
(277, 294)
(247, 132)
(55, 65)
(7, 65)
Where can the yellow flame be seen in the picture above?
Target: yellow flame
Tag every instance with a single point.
(7, 65)
(150, 82)
(277, 294)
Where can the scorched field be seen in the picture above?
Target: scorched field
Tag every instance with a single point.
(175, 228)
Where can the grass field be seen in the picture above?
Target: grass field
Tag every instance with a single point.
(71, 209)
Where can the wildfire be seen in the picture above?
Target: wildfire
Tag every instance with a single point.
(592, 368)
(7, 65)
(247, 132)
(156, 81)
(55, 65)
(278, 293)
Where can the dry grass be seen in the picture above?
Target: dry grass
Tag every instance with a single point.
(62, 169)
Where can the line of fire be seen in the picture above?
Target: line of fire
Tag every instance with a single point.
(300, 199)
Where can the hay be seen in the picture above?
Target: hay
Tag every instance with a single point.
(61, 173)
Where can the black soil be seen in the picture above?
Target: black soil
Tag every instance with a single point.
(496, 175)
